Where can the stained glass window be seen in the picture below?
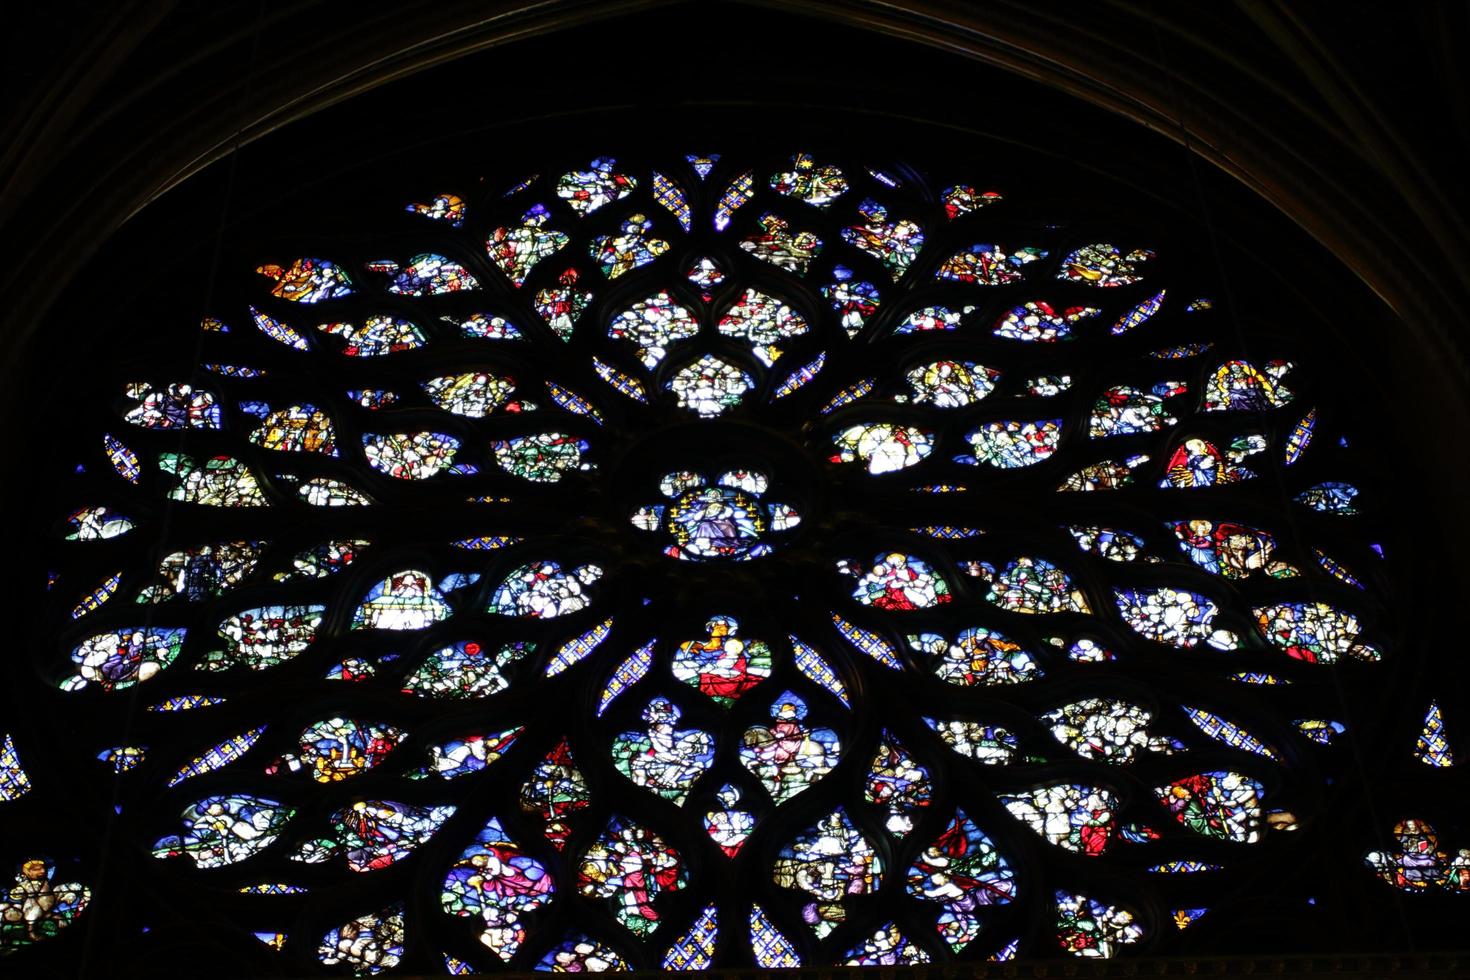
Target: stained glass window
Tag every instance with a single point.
(759, 563)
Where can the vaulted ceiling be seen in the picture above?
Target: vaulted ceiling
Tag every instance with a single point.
(1347, 117)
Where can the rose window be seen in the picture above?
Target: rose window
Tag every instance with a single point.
(715, 562)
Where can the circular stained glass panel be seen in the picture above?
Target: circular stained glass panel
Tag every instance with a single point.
(712, 562)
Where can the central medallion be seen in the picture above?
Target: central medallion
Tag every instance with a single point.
(723, 518)
(717, 522)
